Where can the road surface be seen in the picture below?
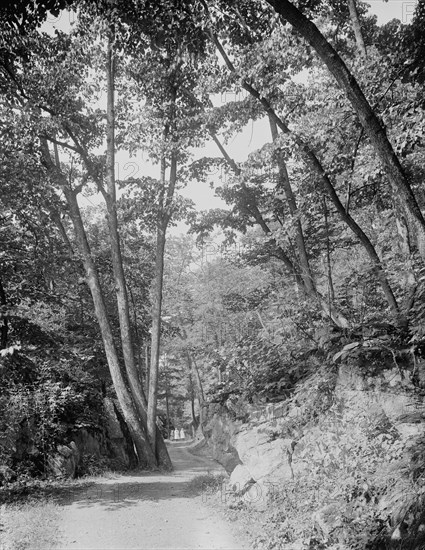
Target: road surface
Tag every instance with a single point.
(147, 511)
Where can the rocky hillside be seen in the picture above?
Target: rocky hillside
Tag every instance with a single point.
(339, 464)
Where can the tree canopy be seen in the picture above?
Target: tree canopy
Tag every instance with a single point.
(320, 243)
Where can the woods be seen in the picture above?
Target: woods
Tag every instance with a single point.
(314, 255)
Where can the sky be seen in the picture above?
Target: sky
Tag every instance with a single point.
(247, 141)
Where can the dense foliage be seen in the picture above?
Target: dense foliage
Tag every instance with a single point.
(315, 258)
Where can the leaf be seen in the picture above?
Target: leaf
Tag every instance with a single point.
(345, 350)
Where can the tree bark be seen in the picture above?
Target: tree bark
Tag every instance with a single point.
(156, 333)
(162, 224)
(195, 422)
(331, 291)
(285, 184)
(167, 404)
(136, 427)
(355, 21)
(405, 198)
(4, 327)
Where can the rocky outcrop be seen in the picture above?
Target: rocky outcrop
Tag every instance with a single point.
(110, 443)
(347, 419)
(220, 433)
(64, 462)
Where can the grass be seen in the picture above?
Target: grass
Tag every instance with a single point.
(206, 484)
(30, 512)
(33, 525)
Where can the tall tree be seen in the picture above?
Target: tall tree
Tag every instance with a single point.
(410, 214)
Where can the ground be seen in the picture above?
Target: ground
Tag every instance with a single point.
(146, 511)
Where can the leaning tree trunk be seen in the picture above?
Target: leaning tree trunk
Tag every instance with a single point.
(285, 183)
(136, 427)
(327, 186)
(405, 200)
(307, 287)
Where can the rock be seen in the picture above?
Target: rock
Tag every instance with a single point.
(6, 474)
(90, 443)
(262, 457)
(372, 408)
(65, 451)
(241, 479)
(219, 430)
(65, 461)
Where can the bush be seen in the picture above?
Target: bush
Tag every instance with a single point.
(41, 404)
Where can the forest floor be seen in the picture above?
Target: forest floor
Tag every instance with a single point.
(145, 510)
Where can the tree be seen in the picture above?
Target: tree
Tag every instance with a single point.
(406, 203)
(79, 145)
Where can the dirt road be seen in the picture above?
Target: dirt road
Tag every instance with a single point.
(147, 511)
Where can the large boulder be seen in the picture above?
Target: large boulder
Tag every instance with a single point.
(219, 431)
(264, 457)
(241, 479)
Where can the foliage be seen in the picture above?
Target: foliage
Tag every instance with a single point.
(250, 322)
(206, 484)
(44, 400)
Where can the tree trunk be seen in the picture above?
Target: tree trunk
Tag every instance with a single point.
(331, 291)
(4, 327)
(136, 427)
(147, 366)
(166, 206)
(195, 368)
(137, 339)
(167, 404)
(119, 277)
(315, 163)
(195, 423)
(331, 312)
(405, 200)
(156, 332)
(355, 21)
(284, 183)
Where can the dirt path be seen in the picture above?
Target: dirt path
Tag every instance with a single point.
(147, 511)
